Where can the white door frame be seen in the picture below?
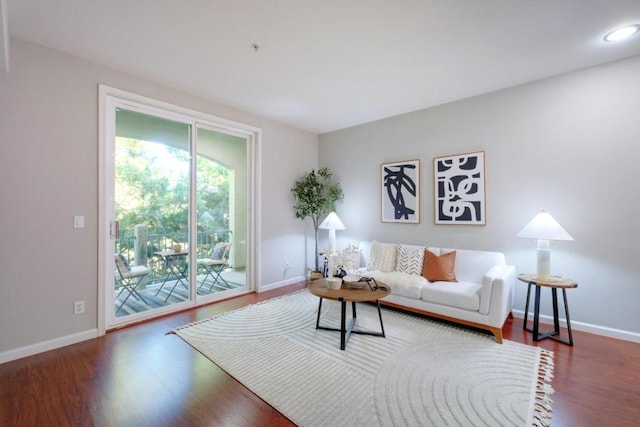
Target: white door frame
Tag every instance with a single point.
(109, 97)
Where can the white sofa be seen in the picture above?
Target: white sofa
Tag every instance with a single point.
(482, 297)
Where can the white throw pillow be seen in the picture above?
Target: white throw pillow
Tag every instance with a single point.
(410, 259)
(351, 260)
(383, 257)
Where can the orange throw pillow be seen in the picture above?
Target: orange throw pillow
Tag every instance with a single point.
(439, 268)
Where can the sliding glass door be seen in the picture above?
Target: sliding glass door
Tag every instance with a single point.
(178, 212)
(221, 211)
(152, 175)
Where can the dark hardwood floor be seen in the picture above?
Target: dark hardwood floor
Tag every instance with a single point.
(138, 376)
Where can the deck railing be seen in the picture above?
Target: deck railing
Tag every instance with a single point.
(126, 245)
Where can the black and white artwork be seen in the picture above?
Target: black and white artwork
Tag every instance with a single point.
(460, 189)
(401, 191)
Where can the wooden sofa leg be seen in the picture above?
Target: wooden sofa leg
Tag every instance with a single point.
(497, 333)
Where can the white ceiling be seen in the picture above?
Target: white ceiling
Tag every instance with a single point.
(324, 65)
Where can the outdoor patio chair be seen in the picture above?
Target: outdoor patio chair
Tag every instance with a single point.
(128, 278)
(215, 265)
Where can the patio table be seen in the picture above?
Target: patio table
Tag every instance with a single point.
(176, 267)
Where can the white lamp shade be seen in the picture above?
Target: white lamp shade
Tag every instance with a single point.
(332, 222)
(544, 227)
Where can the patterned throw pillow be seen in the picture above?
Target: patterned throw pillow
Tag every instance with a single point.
(125, 262)
(219, 251)
(410, 260)
(439, 268)
(383, 257)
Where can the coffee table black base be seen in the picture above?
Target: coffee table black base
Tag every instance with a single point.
(346, 330)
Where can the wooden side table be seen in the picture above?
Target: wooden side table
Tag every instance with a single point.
(555, 283)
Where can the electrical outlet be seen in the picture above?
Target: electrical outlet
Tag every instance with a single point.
(78, 221)
(78, 307)
(287, 268)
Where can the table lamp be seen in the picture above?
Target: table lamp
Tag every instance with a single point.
(544, 228)
(332, 223)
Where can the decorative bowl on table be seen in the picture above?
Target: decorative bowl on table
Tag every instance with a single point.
(334, 283)
(351, 281)
(355, 285)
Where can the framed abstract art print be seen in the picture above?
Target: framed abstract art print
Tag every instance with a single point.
(400, 190)
(459, 191)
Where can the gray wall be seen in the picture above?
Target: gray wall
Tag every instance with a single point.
(49, 173)
(569, 145)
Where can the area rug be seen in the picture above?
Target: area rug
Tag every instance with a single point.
(424, 373)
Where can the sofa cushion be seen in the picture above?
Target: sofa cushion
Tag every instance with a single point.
(410, 259)
(464, 295)
(383, 257)
(471, 265)
(399, 283)
(439, 268)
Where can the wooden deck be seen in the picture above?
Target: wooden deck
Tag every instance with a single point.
(180, 293)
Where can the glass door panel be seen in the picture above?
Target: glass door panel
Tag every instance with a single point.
(221, 212)
(152, 176)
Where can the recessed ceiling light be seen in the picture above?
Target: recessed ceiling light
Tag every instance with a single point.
(622, 33)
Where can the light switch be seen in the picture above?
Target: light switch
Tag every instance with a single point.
(78, 221)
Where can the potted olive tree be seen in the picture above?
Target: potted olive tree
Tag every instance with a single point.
(315, 194)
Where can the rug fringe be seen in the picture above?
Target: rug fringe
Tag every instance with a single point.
(542, 404)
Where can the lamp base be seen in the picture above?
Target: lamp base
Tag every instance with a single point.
(332, 241)
(544, 259)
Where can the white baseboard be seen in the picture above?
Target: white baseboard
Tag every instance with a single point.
(41, 347)
(55, 343)
(584, 327)
(282, 283)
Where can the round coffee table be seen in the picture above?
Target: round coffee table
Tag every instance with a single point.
(344, 295)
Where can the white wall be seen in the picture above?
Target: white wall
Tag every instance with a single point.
(569, 145)
(49, 173)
